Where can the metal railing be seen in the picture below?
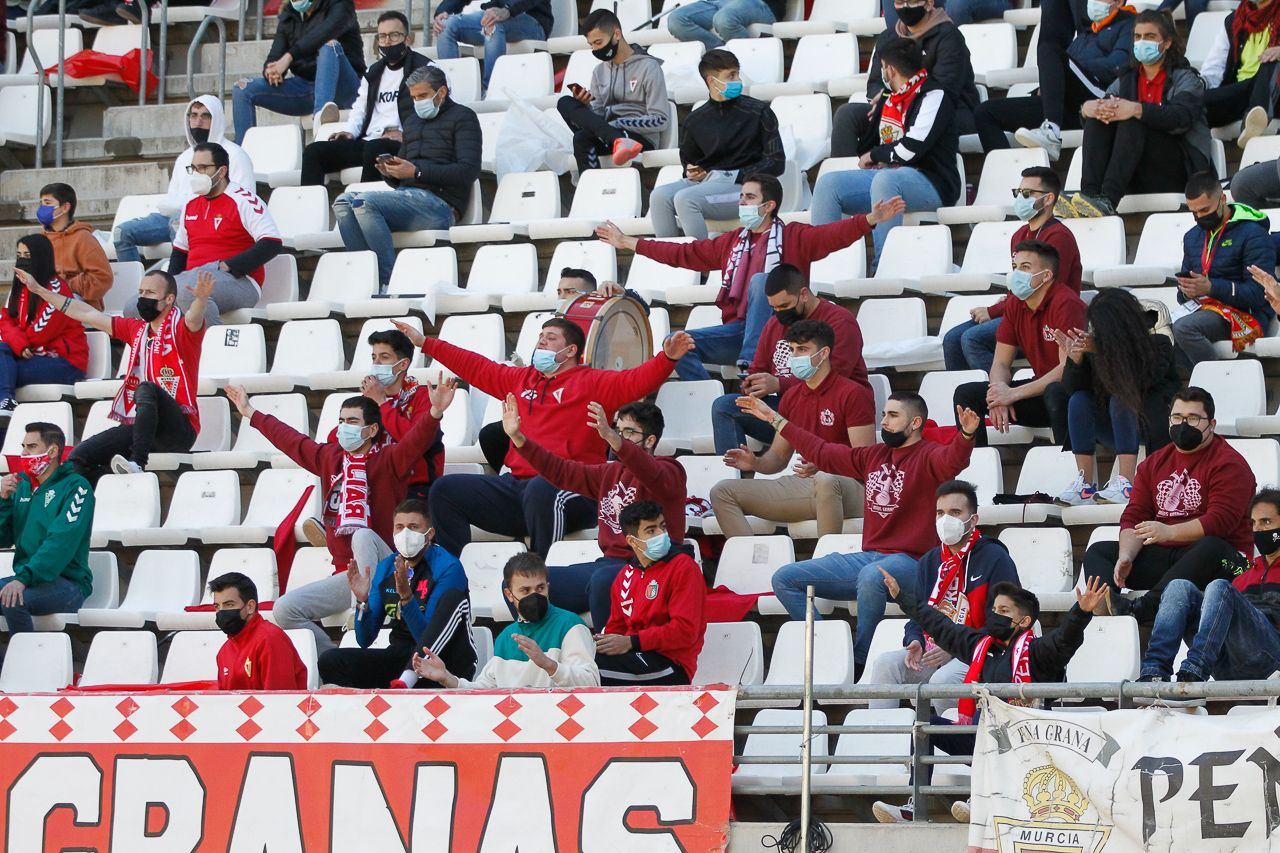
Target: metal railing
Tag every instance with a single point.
(194, 47)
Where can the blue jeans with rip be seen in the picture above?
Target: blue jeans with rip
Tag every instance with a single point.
(15, 372)
(150, 230)
(970, 345)
(844, 577)
(366, 220)
(731, 426)
(729, 343)
(1227, 637)
(714, 22)
(855, 191)
(57, 596)
(466, 28)
(335, 81)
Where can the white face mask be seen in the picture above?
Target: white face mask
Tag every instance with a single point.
(951, 529)
(201, 184)
(409, 543)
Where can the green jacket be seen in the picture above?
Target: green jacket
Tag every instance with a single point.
(49, 529)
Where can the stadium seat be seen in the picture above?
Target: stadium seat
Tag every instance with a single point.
(680, 68)
(362, 357)
(1158, 256)
(832, 654)
(526, 77)
(1263, 457)
(601, 195)
(986, 255)
(747, 564)
(232, 353)
(1239, 390)
(687, 407)
(275, 494)
(703, 472)
(938, 389)
(304, 642)
(464, 78)
(192, 656)
(483, 562)
(483, 640)
(132, 207)
(1204, 32)
(481, 333)
(496, 271)
(521, 198)
(992, 47)
(849, 262)
(777, 745)
(215, 434)
(417, 274)
(299, 210)
(852, 745)
(760, 59)
(1001, 173)
(279, 285)
(251, 447)
(1045, 469)
(312, 564)
(825, 16)
(36, 663)
(258, 564)
(305, 347)
(819, 59)
(910, 253)
(1110, 651)
(124, 502)
(339, 277)
(99, 367)
(125, 278)
(160, 582)
(1045, 563)
(276, 151)
(1101, 242)
(805, 122)
(1028, 72)
(579, 69)
(1260, 149)
(200, 499)
(895, 332)
(121, 657)
(17, 115)
(568, 552)
(887, 638)
(380, 642)
(655, 281)
(58, 413)
(985, 472)
(732, 653)
(105, 594)
(600, 259)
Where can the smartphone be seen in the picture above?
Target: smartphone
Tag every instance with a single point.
(576, 88)
(382, 158)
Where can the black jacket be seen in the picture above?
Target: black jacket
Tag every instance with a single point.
(740, 134)
(413, 61)
(930, 144)
(1158, 389)
(446, 151)
(539, 10)
(946, 58)
(302, 36)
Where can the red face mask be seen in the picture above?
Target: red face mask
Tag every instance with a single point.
(37, 463)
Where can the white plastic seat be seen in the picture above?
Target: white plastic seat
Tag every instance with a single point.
(483, 562)
(1110, 651)
(680, 68)
(304, 642)
(832, 654)
(732, 653)
(124, 502)
(840, 265)
(850, 745)
(1158, 256)
(303, 348)
(214, 436)
(104, 595)
(99, 367)
(257, 564)
(481, 333)
(1045, 563)
(125, 278)
(338, 278)
(299, 210)
(273, 148)
(200, 499)
(1263, 458)
(895, 333)
(1045, 469)
(18, 105)
(251, 447)
(819, 59)
(1203, 33)
(521, 76)
(806, 119)
(701, 473)
(362, 358)
(1001, 173)
(498, 270)
(1027, 73)
(58, 413)
(687, 408)
(992, 47)
(910, 253)
(36, 663)
(781, 775)
(464, 78)
(759, 58)
(192, 656)
(521, 198)
(986, 254)
(275, 494)
(888, 637)
(985, 472)
(232, 353)
(747, 564)
(312, 564)
(1101, 242)
(826, 16)
(568, 552)
(380, 642)
(601, 195)
(121, 657)
(132, 207)
(1238, 388)
(671, 285)
(417, 273)
(600, 259)
(161, 581)
(938, 389)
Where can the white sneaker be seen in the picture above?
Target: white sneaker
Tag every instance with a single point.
(328, 114)
(1079, 493)
(1255, 124)
(960, 811)
(1117, 491)
(889, 813)
(1043, 136)
(120, 465)
(313, 532)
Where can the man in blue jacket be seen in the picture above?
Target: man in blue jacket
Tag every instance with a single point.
(954, 578)
(1222, 302)
(421, 590)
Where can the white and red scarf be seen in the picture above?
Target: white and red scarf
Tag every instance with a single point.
(155, 358)
(948, 595)
(737, 273)
(1021, 670)
(893, 115)
(353, 503)
(402, 403)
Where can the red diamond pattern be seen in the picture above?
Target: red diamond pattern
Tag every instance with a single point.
(437, 706)
(182, 730)
(125, 730)
(308, 729)
(375, 730)
(250, 706)
(60, 729)
(508, 706)
(309, 705)
(705, 702)
(570, 704)
(184, 706)
(506, 730)
(6, 729)
(644, 703)
(569, 729)
(127, 707)
(704, 727)
(62, 707)
(377, 706)
(7, 706)
(435, 730)
(248, 729)
(642, 728)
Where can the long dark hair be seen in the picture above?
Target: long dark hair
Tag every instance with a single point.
(1123, 354)
(42, 270)
(1163, 21)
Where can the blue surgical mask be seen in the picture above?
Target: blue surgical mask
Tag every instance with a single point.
(44, 214)
(732, 89)
(657, 547)
(300, 8)
(1146, 52)
(427, 109)
(1097, 10)
(384, 373)
(749, 216)
(802, 367)
(1022, 283)
(1024, 207)
(350, 437)
(544, 360)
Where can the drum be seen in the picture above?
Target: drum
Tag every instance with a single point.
(617, 330)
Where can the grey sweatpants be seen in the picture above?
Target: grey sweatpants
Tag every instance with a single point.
(229, 293)
(891, 668)
(716, 197)
(301, 607)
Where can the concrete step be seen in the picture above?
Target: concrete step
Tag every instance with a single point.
(90, 182)
(92, 150)
(165, 121)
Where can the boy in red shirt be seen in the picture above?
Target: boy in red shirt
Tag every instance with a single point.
(257, 655)
(656, 624)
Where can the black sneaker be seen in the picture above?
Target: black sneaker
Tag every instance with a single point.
(7, 407)
(102, 16)
(130, 12)
(1151, 679)
(1185, 677)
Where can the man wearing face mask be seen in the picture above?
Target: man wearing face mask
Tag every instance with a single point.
(625, 109)
(1187, 518)
(1039, 307)
(257, 655)
(77, 254)
(46, 517)
(656, 620)
(363, 478)
(226, 232)
(1221, 298)
(420, 591)
(832, 407)
(432, 174)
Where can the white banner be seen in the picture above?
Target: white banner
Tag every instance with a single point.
(1117, 781)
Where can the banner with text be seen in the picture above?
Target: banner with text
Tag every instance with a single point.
(399, 772)
(1147, 779)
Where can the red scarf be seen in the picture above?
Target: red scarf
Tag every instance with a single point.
(353, 504)
(155, 359)
(1021, 670)
(1249, 20)
(403, 402)
(947, 587)
(893, 114)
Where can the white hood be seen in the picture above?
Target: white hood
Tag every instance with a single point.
(180, 183)
(217, 129)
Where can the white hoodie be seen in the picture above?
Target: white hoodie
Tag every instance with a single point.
(180, 182)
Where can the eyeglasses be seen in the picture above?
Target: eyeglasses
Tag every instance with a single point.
(200, 116)
(1189, 420)
(1026, 193)
(629, 433)
(389, 38)
(191, 170)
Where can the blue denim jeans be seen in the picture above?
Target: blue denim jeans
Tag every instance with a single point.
(714, 22)
(844, 577)
(57, 596)
(465, 28)
(730, 425)
(150, 230)
(729, 343)
(1227, 637)
(855, 191)
(16, 372)
(366, 220)
(335, 81)
(1116, 427)
(970, 345)
(585, 586)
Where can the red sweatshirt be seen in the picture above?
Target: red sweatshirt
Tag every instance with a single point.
(260, 657)
(416, 407)
(801, 246)
(1059, 237)
(553, 409)
(1214, 485)
(773, 354)
(662, 605)
(636, 476)
(900, 501)
(50, 333)
(829, 411)
(388, 472)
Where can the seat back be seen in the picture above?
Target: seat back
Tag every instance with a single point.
(503, 268)
(121, 657)
(1110, 651)
(1239, 390)
(276, 493)
(419, 271)
(205, 499)
(289, 408)
(309, 346)
(820, 58)
(273, 148)
(747, 563)
(913, 251)
(832, 654)
(938, 389)
(992, 47)
(783, 744)
(1043, 557)
(126, 502)
(36, 662)
(1263, 458)
(888, 320)
(299, 210)
(344, 276)
(233, 350)
(987, 251)
(732, 653)
(760, 59)
(606, 194)
(1101, 241)
(163, 581)
(1160, 243)
(1002, 170)
(192, 656)
(58, 413)
(521, 76)
(600, 259)
(526, 197)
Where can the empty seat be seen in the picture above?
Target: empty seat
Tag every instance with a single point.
(483, 562)
(985, 255)
(1158, 256)
(275, 494)
(521, 76)
(760, 59)
(200, 499)
(832, 654)
(1238, 388)
(339, 277)
(124, 502)
(854, 744)
(747, 564)
(304, 642)
(1101, 242)
(192, 656)
(888, 637)
(775, 745)
(600, 259)
(161, 582)
(417, 273)
(819, 59)
(1001, 172)
(895, 333)
(232, 353)
(1045, 563)
(258, 564)
(36, 663)
(299, 210)
(910, 253)
(732, 653)
(303, 348)
(521, 198)
(805, 122)
(121, 657)
(992, 46)
(273, 148)
(498, 271)
(687, 408)
(601, 194)
(252, 447)
(1110, 651)
(702, 473)
(1045, 469)
(58, 413)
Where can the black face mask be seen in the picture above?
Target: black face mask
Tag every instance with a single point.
(533, 607)
(606, 53)
(911, 15)
(787, 316)
(394, 54)
(200, 135)
(148, 308)
(1210, 221)
(1000, 627)
(230, 622)
(1267, 541)
(24, 264)
(894, 439)
(1185, 436)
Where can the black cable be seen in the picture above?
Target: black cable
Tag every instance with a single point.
(788, 841)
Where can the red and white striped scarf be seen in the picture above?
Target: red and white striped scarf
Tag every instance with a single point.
(155, 359)
(968, 706)
(947, 595)
(353, 505)
(893, 115)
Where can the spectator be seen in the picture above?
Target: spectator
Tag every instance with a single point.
(78, 255)
(1040, 308)
(501, 21)
(832, 407)
(1004, 651)
(1221, 301)
(574, 283)
(373, 128)
(656, 619)
(227, 232)
(156, 405)
(972, 344)
(37, 344)
(362, 480)
(257, 655)
(1240, 69)
(746, 256)
(959, 574)
(432, 176)
(625, 109)
(1149, 133)
(545, 647)
(638, 475)
(1120, 378)
(714, 22)
(729, 137)
(554, 392)
(1257, 185)
(907, 149)
(945, 57)
(420, 589)
(791, 300)
(1236, 622)
(49, 536)
(1069, 76)
(901, 476)
(319, 41)
(204, 122)
(1187, 518)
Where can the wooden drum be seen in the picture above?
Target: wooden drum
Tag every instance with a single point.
(617, 330)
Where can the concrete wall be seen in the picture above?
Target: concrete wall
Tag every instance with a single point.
(746, 837)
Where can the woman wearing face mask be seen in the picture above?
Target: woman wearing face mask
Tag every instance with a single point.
(38, 345)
